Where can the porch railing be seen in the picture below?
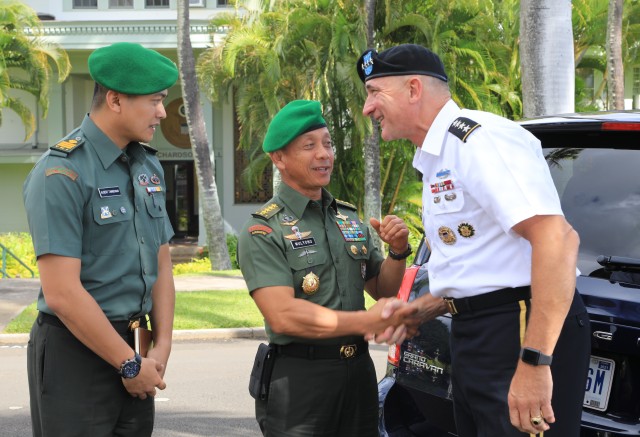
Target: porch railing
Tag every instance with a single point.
(3, 267)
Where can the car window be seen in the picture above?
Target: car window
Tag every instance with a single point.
(600, 194)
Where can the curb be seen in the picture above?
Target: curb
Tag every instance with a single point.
(178, 335)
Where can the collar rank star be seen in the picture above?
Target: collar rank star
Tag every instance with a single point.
(300, 239)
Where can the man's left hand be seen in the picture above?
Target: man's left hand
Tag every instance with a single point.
(393, 231)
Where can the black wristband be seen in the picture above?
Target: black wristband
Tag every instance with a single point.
(401, 256)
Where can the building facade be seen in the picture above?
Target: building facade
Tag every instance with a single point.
(80, 26)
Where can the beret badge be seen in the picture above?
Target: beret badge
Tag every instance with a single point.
(367, 63)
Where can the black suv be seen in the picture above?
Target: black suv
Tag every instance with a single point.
(595, 164)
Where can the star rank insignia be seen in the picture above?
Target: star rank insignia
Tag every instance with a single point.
(462, 127)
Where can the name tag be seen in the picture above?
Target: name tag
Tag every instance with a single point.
(109, 192)
(305, 242)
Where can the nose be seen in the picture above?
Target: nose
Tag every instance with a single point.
(162, 112)
(367, 108)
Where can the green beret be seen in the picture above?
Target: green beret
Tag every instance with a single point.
(132, 69)
(295, 119)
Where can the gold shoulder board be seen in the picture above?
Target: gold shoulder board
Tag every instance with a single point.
(268, 211)
(68, 145)
(346, 204)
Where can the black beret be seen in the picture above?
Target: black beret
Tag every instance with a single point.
(400, 60)
(132, 69)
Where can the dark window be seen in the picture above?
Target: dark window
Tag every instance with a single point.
(240, 162)
(157, 4)
(85, 4)
(223, 3)
(120, 4)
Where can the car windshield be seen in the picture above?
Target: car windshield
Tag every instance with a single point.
(600, 194)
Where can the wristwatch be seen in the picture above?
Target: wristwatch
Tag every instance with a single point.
(401, 256)
(131, 367)
(535, 357)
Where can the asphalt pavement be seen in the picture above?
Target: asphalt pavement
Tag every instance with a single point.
(17, 294)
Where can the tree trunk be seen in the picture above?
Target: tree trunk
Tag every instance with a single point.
(203, 158)
(615, 68)
(546, 57)
(372, 201)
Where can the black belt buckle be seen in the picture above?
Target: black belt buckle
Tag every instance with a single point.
(451, 305)
(348, 351)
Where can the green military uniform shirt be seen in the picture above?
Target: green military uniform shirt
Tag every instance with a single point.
(85, 198)
(293, 238)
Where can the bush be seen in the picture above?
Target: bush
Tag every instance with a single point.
(203, 263)
(21, 246)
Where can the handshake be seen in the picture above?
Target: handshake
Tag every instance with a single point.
(393, 320)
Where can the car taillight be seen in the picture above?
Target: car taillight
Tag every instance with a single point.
(620, 126)
(394, 355)
(403, 294)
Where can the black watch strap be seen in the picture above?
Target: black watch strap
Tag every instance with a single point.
(401, 256)
(535, 357)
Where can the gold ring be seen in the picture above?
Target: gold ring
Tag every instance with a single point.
(536, 420)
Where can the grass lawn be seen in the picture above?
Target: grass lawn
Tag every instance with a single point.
(194, 310)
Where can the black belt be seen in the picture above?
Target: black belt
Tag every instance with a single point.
(122, 327)
(487, 300)
(323, 352)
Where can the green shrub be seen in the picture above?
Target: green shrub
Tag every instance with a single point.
(20, 245)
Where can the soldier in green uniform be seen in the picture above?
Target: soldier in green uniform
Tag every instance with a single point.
(96, 209)
(307, 259)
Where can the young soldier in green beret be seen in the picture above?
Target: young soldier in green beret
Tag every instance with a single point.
(96, 209)
(307, 259)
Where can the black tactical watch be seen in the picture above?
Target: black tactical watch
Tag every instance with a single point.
(535, 357)
(401, 256)
(131, 367)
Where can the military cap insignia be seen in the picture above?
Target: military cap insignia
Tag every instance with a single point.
(67, 146)
(462, 127)
(63, 171)
(259, 230)
(268, 211)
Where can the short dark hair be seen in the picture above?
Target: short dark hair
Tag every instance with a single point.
(99, 96)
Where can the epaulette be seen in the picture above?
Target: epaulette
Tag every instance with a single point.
(346, 204)
(268, 211)
(149, 149)
(67, 145)
(462, 128)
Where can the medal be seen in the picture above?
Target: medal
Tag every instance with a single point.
(364, 250)
(466, 230)
(354, 249)
(143, 179)
(155, 179)
(310, 283)
(446, 235)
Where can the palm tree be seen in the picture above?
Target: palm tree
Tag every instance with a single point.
(203, 158)
(615, 68)
(547, 57)
(26, 61)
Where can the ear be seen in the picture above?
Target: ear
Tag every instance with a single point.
(276, 158)
(415, 88)
(113, 100)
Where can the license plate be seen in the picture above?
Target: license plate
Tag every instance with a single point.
(598, 388)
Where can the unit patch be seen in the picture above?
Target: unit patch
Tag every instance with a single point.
(63, 171)
(462, 128)
(259, 230)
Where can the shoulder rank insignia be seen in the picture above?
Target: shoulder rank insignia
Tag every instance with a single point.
(346, 204)
(268, 211)
(462, 128)
(68, 145)
(149, 149)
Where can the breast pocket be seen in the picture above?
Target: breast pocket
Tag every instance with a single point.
(112, 227)
(445, 202)
(305, 263)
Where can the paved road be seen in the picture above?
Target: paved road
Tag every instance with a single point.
(206, 392)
